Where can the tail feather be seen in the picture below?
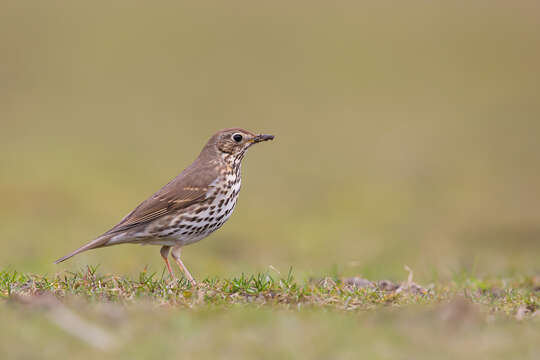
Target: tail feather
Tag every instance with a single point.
(99, 242)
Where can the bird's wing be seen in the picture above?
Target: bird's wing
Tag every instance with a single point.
(188, 188)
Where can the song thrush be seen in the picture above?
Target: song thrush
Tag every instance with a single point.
(190, 207)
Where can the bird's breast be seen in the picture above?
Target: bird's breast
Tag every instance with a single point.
(202, 219)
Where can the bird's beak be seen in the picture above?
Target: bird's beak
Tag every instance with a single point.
(262, 137)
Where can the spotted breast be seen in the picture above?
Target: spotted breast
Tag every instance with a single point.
(200, 220)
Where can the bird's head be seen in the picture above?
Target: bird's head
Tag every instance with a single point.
(236, 141)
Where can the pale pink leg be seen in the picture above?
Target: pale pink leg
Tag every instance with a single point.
(176, 256)
(165, 254)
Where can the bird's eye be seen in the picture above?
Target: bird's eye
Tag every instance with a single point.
(237, 137)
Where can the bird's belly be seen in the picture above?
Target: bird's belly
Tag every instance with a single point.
(196, 224)
(190, 226)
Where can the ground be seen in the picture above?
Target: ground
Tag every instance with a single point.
(267, 316)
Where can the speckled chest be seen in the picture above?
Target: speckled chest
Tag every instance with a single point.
(202, 219)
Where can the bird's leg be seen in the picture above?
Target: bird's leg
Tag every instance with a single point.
(165, 254)
(176, 256)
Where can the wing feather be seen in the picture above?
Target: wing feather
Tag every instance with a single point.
(188, 188)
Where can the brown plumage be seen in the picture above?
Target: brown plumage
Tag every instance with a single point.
(191, 206)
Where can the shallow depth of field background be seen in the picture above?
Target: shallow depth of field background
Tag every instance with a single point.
(407, 133)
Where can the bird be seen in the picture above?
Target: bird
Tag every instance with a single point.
(190, 207)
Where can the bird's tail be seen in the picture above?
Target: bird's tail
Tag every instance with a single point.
(97, 243)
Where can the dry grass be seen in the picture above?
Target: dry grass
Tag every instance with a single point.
(270, 316)
(512, 297)
(518, 297)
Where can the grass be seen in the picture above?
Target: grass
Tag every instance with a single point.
(92, 314)
(511, 297)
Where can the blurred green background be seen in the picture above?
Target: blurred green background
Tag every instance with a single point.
(406, 132)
